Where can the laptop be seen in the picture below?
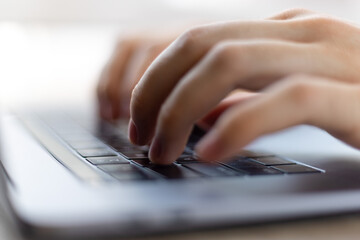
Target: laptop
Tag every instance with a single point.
(65, 173)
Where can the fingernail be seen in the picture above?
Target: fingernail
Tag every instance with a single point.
(133, 133)
(156, 150)
(207, 148)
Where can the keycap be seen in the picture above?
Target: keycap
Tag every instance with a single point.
(125, 176)
(78, 137)
(135, 154)
(272, 161)
(171, 171)
(110, 168)
(71, 131)
(241, 163)
(261, 171)
(212, 170)
(131, 148)
(96, 152)
(297, 168)
(107, 160)
(139, 152)
(86, 144)
(245, 165)
(123, 171)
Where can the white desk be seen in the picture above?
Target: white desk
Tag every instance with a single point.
(52, 63)
(335, 228)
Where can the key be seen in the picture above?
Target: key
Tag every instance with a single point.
(86, 144)
(111, 168)
(212, 170)
(171, 171)
(123, 171)
(96, 152)
(131, 148)
(107, 160)
(242, 163)
(297, 168)
(78, 137)
(272, 161)
(135, 154)
(261, 171)
(245, 165)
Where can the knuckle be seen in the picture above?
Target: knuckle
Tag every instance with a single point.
(319, 26)
(190, 40)
(223, 55)
(321, 21)
(302, 93)
(293, 13)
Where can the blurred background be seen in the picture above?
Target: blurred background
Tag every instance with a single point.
(52, 51)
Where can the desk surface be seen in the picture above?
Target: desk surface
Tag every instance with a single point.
(36, 57)
(342, 227)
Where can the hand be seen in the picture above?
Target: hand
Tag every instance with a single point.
(304, 66)
(132, 56)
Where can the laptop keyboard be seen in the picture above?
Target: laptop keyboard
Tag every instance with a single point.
(109, 151)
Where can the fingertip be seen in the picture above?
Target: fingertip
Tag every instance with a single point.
(159, 153)
(155, 152)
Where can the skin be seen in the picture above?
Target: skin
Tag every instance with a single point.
(132, 56)
(300, 68)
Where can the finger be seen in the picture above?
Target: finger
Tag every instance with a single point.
(162, 76)
(138, 63)
(230, 65)
(327, 104)
(111, 81)
(235, 98)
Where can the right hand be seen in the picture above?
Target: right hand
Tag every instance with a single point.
(303, 65)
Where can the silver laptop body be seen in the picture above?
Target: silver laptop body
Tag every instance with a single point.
(50, 191)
